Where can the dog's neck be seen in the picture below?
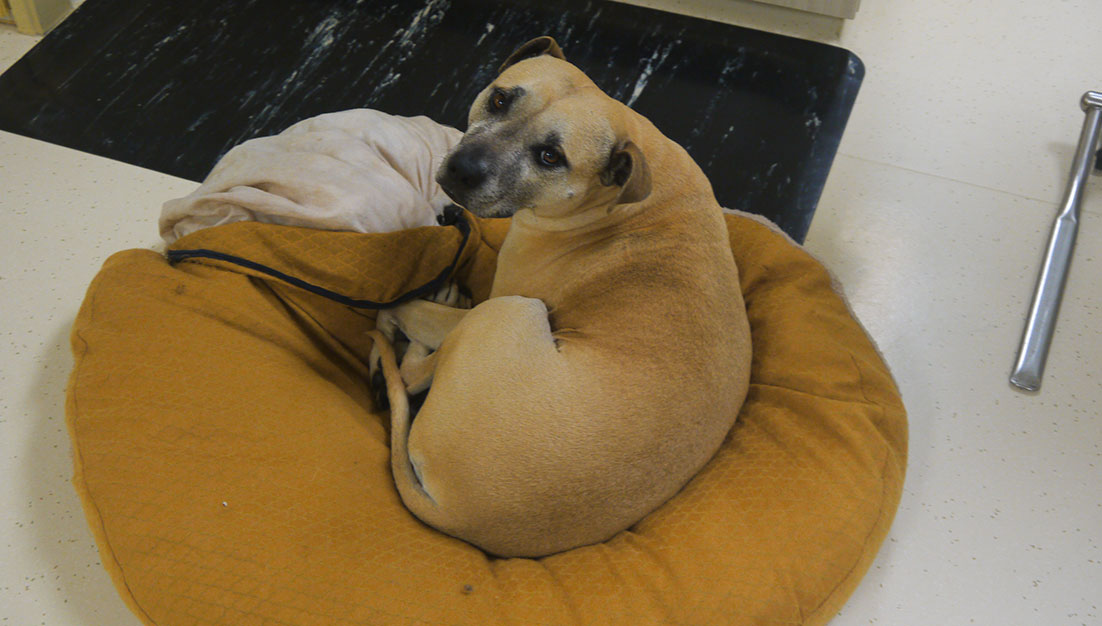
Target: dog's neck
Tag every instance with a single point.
(537, 249)
(578, 222)
(602, 213)
(536, 245)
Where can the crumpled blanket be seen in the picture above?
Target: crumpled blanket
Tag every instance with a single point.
(360, 170)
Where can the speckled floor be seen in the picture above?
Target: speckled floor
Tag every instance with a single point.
(934, 219)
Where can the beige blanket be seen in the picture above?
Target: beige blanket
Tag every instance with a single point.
(360, 170)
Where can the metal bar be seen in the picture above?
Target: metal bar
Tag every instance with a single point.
(1041, 322)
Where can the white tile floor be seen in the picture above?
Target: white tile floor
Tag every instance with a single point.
(934, 218)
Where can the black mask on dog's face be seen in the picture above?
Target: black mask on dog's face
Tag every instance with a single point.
(541, 137)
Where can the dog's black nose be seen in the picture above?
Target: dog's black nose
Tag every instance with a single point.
(468, 167)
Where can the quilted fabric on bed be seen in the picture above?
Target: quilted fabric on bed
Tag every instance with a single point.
(235, 471)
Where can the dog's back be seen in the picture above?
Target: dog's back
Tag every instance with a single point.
(613, 355)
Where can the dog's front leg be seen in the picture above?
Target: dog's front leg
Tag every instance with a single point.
(425, 323)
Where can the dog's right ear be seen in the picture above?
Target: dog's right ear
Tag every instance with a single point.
(535, 48)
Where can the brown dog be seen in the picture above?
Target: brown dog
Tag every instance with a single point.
(613, 354)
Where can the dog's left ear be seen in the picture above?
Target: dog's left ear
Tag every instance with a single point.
(535, 48)
(627, 169)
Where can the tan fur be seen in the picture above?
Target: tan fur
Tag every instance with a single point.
(614, 352)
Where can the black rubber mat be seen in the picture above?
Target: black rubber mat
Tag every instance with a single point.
(171, 86)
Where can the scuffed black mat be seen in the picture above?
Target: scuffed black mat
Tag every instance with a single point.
(171, 86)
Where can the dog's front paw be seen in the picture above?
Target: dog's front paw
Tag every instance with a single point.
(386, 322)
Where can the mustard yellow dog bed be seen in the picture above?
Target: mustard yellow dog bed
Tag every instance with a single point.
(235, 471)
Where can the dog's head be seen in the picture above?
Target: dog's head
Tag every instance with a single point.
(544, 137)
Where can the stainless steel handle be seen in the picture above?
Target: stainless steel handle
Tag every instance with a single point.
(1041, 322)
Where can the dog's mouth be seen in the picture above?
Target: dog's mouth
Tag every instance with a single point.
(496, 209)
(474, 202)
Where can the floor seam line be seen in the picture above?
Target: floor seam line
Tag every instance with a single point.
(954, 180)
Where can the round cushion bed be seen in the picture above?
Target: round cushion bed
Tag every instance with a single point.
(235, 470)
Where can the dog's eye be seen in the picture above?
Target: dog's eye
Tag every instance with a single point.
(498, 101)
(549, 156)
